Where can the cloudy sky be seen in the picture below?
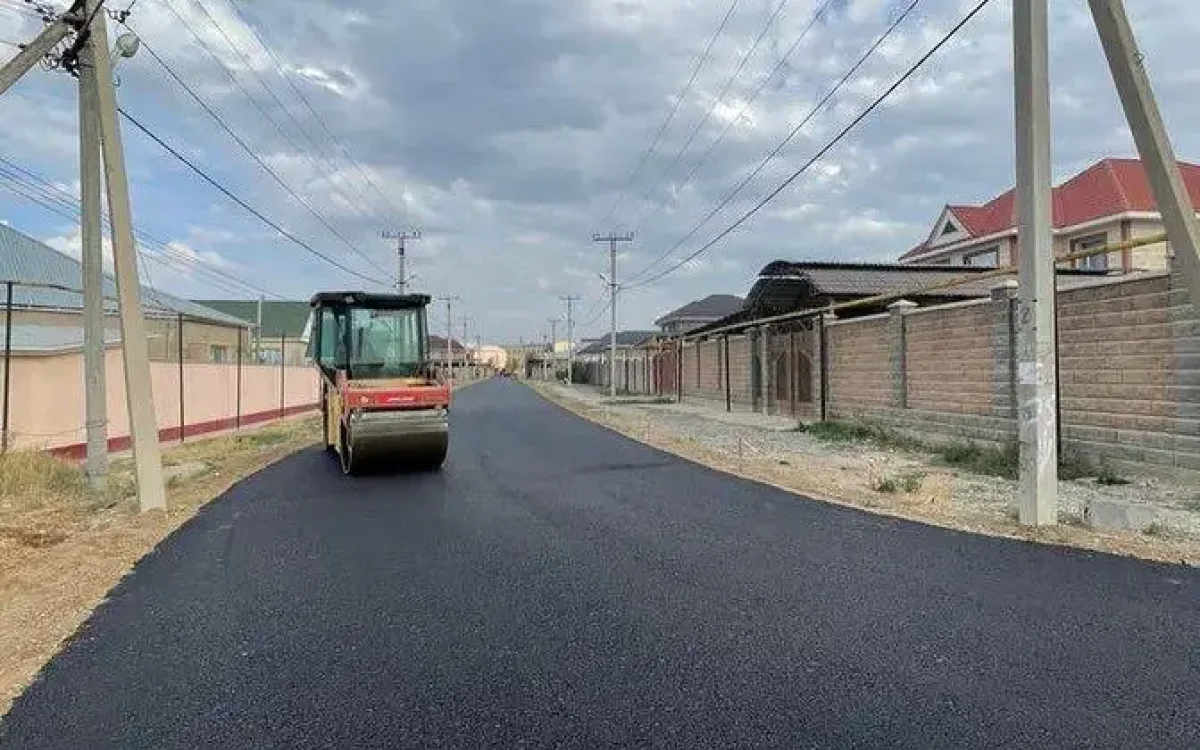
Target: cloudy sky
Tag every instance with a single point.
(510, 131)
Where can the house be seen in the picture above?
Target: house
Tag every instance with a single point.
(48, 308)
(459, 354)
(1106, 203)
(284, 325)
(600, 348)
(786, 286)
(699, 312)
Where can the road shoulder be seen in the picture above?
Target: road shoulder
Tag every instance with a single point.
(901, 483)
(61, 553)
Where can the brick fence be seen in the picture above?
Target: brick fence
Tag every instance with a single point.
(1129, 366)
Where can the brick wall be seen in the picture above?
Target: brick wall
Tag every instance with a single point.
(948, 358)
(859, 369)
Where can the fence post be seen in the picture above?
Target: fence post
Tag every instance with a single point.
(282, 371)
(237, 408)
(179, 353)
(824, 358)
(728, 386)
(1004, 351)
(8, 325)
(791, 370)
(899, 311)
(679, 372)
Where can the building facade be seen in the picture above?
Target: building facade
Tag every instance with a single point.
(1107, 203)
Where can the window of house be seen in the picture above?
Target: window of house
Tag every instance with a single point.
(989, 258)
(219, 353)
(1093, 262)
(949, 228)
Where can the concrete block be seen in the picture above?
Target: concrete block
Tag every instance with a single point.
(1121, 515)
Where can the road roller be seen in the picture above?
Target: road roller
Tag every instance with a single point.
(383, 405)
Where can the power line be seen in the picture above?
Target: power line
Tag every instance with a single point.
(270, 91)
(257, 159)
(403, 208)
(236, 199)
(741, 185)
(39, 190)
(719, 97)
(279, 130)
(762, 85)
(826, 148)
(674, 109)
(31, 194)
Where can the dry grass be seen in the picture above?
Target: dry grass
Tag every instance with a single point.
(62, 549)
(933, 502)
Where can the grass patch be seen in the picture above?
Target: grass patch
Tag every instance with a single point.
(261, 437)
(861, 432)
(906, 483)
(32, 480)
(980, 459)
(1156, 530)
(1109, 477)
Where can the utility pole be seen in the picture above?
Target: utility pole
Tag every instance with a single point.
(401, 237)
(1037, 410)
(612, 238)
(570, 338)
(258, 334)
(553, 348)
(91, 231)
(97, 83)
(463, 344)
(1150, 135)
(449, 299)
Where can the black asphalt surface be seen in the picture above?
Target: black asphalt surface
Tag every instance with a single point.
(557, 585)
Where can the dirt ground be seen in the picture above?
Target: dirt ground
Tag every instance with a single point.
(851, 474)
(61, 551)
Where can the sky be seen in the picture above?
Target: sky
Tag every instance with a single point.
(509, 132)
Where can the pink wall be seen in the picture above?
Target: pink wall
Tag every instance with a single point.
(47, 397)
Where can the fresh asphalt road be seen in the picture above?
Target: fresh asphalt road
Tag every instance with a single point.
(557, 585)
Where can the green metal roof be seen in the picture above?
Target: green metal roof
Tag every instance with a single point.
(24, 259)
(279, 317)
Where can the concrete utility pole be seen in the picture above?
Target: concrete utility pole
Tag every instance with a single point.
(570, 338)
(449, 299)
(466, 369)
(1150, 135)
(401, 237)
(612, 239)
(92, 237)
(42, 45)
(553, 348)
(1037, 409)
(98, 83)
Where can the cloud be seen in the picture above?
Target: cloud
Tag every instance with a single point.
(507, 129)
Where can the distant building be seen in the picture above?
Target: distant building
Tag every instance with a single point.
(49, 318)
(285, 324)
(699, 312)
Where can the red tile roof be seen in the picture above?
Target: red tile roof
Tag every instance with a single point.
(1107, 188)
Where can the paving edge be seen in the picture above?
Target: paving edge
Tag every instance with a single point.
(267, 460)
(1033, 536)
